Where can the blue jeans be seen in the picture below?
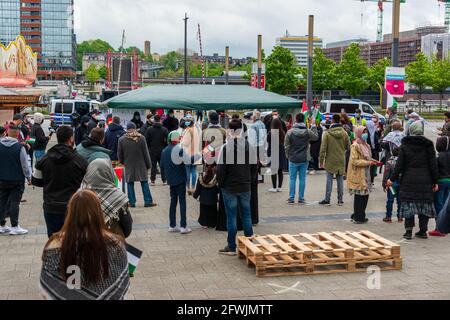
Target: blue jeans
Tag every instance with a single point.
(234, 203)
(145, 191)
(38, 154)
(191, 175)
(391, 198)
(177, 193)
(441, 196)
(299, 169)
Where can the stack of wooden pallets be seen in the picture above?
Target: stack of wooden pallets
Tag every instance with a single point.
(324, 252)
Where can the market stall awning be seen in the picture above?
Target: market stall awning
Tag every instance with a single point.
(10, 99)
(201, 97)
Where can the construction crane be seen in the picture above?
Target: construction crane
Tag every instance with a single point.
(380, 16)
(447, 11)
(202, 59)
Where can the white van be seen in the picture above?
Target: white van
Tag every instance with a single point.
(330, 107)
(73, 108)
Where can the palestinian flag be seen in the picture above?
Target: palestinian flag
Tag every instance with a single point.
(387, 100)
(119, 175)
(133, 255)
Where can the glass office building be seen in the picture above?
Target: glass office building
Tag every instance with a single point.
(47, 26)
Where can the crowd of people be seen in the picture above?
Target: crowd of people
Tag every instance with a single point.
(218, 160)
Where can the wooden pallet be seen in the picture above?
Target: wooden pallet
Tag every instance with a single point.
(324, 252)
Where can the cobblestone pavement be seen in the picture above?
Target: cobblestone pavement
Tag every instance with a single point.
(176, 266)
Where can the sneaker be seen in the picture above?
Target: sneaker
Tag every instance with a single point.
(301, 202)
(408, 235)
(291, 202)
(150, 205)
(312, 172)
(227, 251)
(325, 203)
(361, 222)
(279, 190)
(273, 190)
(185, 230)
(340, 203)
(16, 231)
(422, 235)
(174, 230)
(153, 183)
(434, 233)
(5, 229)
(387, 220)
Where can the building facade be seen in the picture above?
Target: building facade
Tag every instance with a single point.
(298, 45)
(410, 45)
(436, 45)
(97, 59)
(48, 28)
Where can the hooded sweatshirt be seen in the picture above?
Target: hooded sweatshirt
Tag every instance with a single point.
(91, 150)
(14, 165)
(112, 136)
(297, 142)
(60, 172)
(335, 142)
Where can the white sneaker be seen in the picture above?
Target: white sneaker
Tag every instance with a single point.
(279, 190)
(15, 231)
(312, 172)
(185, 230)
(5, 229)
(273, 190)
(174, 230)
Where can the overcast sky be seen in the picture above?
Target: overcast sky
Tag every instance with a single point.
(237, 23)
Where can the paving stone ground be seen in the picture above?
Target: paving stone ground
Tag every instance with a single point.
(176, 266)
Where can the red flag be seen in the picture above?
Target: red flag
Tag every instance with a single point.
(304, 107)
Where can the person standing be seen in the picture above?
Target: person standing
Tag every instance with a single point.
(156, 137)
(358, 174)
(172, 162)
(191, 145)
(84, 241)
(81, 132)
(59, 173)
(171, 123)
(391, 118)
(147, 125)
(315, 150)
(392, 192)
(358, 119)
(417, 174)
(445, 130)
(278, 161)
(335, 144)
(297, 144)
(96, 117)
(375, 147)
(14, 170)
(133, 154)
(214, 137)
(235, 172)
(112, 135)
(40, 140)
(137, 120)
(207, 192)
(93, 148)
(257, 137)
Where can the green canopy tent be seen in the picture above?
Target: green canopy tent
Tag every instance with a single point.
(201, 97)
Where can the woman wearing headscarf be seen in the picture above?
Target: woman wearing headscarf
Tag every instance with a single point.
(358, 173)
(100, 179)
(417, 173)
(375, 148)
(82, 131)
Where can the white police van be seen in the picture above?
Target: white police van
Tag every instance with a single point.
(330, 107)
(64, 112)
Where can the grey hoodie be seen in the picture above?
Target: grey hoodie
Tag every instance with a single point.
(297, 142)
(8, 142)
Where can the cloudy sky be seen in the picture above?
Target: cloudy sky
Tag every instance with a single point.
(236, 23)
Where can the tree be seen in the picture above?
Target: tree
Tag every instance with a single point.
(281, 71)
(440, 76)
(352, 71)
(377, 73)
(419, 73)
(103, 72)
(170, 61)
(92, 74)
(324, 71)
(91, 46)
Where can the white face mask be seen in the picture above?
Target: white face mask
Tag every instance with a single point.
(98, 117)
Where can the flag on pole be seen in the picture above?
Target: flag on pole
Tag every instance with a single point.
(387, 100)
(304, 107)
(391, 102)
(133, 255)
(119, 177)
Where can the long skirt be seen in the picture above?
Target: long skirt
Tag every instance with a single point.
(208, 215)
(254, 203)
(222, 217)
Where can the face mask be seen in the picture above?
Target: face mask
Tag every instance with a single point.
(97, 118)
(187, 124)
(365, 136)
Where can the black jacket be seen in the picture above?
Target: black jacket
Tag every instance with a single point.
(444, 164)
(416, 169)
(40, 139)
(208, 193)
(60, 172)
(82, 131)
(232, 175)
(171, 124)
(144, 128)
(156, 137)
(112, 136)
(91, 125)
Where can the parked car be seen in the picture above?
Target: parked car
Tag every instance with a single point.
(330, 107)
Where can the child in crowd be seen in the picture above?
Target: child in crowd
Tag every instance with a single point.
(393, 191)
(208, 192)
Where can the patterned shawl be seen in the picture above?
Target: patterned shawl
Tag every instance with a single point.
(133, 134)
(100, 178)
(363, 145)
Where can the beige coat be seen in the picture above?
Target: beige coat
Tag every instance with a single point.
(356, 172)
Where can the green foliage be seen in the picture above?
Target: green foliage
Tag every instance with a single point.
(377, 73)
(103, 72)
(440, 75)
(91, 46)
(92, 74)
(419, 71)
(281, 71)
(352, 71)
(171, 61)
(324, 71)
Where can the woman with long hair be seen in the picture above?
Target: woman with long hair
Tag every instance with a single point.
(84, 248)
(100, 178)
(279, 160)
(358, 174)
